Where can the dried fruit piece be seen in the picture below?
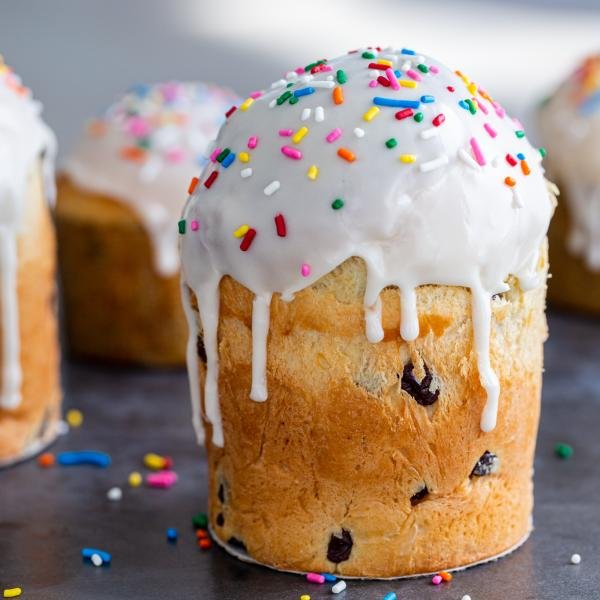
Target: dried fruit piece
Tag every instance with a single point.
(419, 496)
(420, 390)
(339, 548)
(486, 465)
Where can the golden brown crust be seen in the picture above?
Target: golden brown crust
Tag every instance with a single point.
(36, 418)
(339, 445)
(117, 308)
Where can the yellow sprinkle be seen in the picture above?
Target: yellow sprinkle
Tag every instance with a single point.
(407, 158)
(299, 134)
(472, 87)
(244, 156)
(371, 113)
(135, 479)
(305, 597)
(383, 61)
(241, 231)
(12, 592)
(154, 461)
(408, 83)
(313, 172)
(245, 105)
(74, 417)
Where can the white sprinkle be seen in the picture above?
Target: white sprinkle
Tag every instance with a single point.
(319, 114)
(436, 163)
(96, 560)
(429, 133)
(323, 84)
(575, 559)
(114, 494)
(329, 77)
(517, 202)
(307, 78)
(305, 114)
(246, 172)
(467, 158)
(374, 73)
(291, 75)
(466, 597)
(278, 84)
(338, 587)
(272, 188)
(273, 103)
(406, 66)
(358, 132)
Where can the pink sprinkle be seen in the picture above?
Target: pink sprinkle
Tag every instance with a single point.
(286, 132)
(493, 133)
(138, 127)
(215, 153)
(433, 69)
(316, 578)
(499, 110)
(482, 107)
(333, 135)
(291, 152)
(195, 225)
(299, 71)
(436, 580)
(392, 77)
(373, 83)
(414, 75)
(252, 142)
(162, 479)
(305, 272)
(255, 95)
(175, 155)
(325, 68)
(477, 152)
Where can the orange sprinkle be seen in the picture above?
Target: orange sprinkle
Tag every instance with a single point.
(96, 128)
(510, 182)
(205, 544)
(446, 576)
(525, 167)
(46, 460)
(133, 153)
(202, 534)
(338, 95)
(346, 154)
(193, 184)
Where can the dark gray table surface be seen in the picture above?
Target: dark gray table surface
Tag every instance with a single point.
(47, 516)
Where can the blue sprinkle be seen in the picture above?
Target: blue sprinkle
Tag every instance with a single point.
(228, 160)
(591, 104)
(84, 457)
(397, 73)
(390, 596)
(172, 534)
(304, 92)
(87, 553)
(427, 99)
(463, 104)
(141, 90)
(521, 156)
(407, 51)
(396, 103)
(329, 577)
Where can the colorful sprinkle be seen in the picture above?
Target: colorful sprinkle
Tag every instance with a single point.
(384, 81)
(286, 132)
(244, 157)
(423, 68)
(346, 154)
(280, 225)
(407, 84)
(575, 559)
(12, 592)
(511, 160)
(380, 101)
(248, 238)
(525, 167)
(297, 137)
(306, 112)
(393, 80)
(491, 131)
(88, 552)
(195, 225)
(509, 181)
(404, 113)
(543, 152)
(305, 272)
(245, 173)
(319, 114)
(338, 95)
(338, 587)
(252, 142)
(230, 112)
(427, 99)
(337, 204)
(564, 451)
(390, 596)
(134, 479)
(414, 75)
(241, 231)
(211, 179)
(84, 457)
(477, 153)
(228, 160)
(371, 113)
(162, 480)
(192, 186)
(333, 135)
(74, 418)
(313, 172)
(304, 92)
(438, 119)
(292, 153)
(445, 576)
(341, 76)
(436, 580)
(46, 460)
(246, 104)
(368, 55)
(520, 133)
(272, 188)
(408, 158)
(418, 117)
(391, 143)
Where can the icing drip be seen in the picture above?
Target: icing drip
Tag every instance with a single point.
(401, 196)
(24, 140)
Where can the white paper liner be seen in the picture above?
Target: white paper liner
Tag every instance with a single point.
(49, 435)
(245, 557)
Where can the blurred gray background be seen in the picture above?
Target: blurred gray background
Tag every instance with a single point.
(79, 55)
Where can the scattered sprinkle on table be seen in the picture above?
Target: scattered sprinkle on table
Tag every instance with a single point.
(315, 578)
(12, 592)
(200, 520)
(46, 460)
(338, 587)
(156, 462)
(84, 457)
(563, 451)
(390, 596)
(172, 534)
(74, 418)
(436, 580)
(89, 552)
(135, 479)
(114, 494)
(161, 480)
(466, 597)
(96, 560)
(575, 559)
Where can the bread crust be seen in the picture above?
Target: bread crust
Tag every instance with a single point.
(34, 422)
(117, 308)
(339, 445)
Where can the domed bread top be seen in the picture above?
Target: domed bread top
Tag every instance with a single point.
(386, 155)
(144, 147)
(24, 140)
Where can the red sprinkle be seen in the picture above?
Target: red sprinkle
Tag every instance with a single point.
(378, 66)
(450, 88)
(247, 241)
(211, 179)
(205, 543)
(404, 113)
(437, 121)
(280, 225)
(230, 112)
(193, 184)
(384, 81)
(511, 160)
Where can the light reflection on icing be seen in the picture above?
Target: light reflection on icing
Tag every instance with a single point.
(447, 224)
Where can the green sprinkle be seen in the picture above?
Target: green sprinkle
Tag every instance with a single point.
(520, 133)
(287, 94)
(337, 204)
(563, 451)
(294, 99)
(290, 84)
(341, 76)
(543, 152)
(143, 143)
(423, 68)
(391, 143)
(200, 521)
(368, 55)
(181, 226)
(472, 107)
(223, 155)
(418, 117)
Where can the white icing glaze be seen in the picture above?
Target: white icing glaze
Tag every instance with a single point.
(24, 139)
(570, 126)
(146, 148)
(432, 209)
